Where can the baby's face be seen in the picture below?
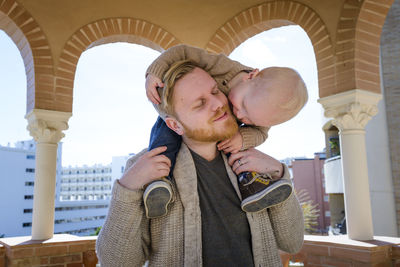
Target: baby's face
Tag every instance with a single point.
(239, 106)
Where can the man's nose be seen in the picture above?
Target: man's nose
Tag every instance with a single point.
(217, 103)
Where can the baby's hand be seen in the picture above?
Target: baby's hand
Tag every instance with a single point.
(231, 145)
(152, 82)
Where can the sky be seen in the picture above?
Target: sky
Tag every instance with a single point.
(112, 116)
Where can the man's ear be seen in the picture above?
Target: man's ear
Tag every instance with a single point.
(174, 125)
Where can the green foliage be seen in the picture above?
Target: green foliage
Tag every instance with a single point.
(310, 212)
(97, 231)
(334, 144)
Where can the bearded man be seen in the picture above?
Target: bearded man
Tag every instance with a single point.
(205, 225)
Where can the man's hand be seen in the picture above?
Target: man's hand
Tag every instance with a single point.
(231, 145)
(254, 160)
(152, 82)
(149, 167)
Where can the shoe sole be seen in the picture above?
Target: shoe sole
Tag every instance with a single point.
(156, 198)
(268, 197)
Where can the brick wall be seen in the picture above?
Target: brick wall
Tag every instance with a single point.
(327, 251)
(390, 59)
(61, 251)
(2, 256)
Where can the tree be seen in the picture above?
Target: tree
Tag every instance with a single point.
(310, 212)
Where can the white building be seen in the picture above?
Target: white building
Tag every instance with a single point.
(118, 166)
(17, 179)
(82, 193)
(85, 183)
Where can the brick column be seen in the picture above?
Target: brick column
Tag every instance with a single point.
(390, 65)
(46, 127)
(351, 111)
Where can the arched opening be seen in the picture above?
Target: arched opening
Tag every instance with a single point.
(12, 93)
(112, 116)
(17, 153)
(100, 32)
(288, 46)
(299, 142)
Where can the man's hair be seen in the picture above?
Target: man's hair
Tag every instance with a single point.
(176, 72)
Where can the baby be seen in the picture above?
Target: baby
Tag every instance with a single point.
(259, 99)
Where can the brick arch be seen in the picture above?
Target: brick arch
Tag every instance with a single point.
(358, 45)
(276, 14)
(367, 44)
(102, 32)
(35, 51)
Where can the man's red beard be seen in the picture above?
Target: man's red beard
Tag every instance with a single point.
(223, 132)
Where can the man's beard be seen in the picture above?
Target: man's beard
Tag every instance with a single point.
(227, 130)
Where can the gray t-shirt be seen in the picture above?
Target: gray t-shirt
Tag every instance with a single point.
(226, 238)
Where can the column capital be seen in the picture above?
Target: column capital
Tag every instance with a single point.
(351, 110)
(46, 126)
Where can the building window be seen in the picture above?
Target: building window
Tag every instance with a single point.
(30, 170)
(30, 156)
(27, 210)
(29, 224)
(326, 198)
(29, 183)
(28, 197)
(327, 213)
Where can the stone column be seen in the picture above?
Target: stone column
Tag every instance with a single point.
(351, 111)
(46, 127)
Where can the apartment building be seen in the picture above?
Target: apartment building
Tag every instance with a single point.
(82, 192)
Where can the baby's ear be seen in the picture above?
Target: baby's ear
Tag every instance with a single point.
(253, 73)
(174, 125)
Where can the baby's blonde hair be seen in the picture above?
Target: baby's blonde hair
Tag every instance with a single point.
(296, 89)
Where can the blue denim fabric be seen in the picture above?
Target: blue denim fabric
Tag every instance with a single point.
(161, 135)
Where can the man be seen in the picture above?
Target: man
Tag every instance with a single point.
(205, 225)
(260, 99)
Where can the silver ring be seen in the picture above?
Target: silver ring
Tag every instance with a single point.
(240, 164)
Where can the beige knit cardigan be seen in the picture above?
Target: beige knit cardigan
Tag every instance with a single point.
(128, 238)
